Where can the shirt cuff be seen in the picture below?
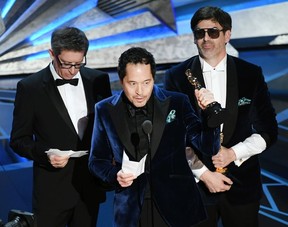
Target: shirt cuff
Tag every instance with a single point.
(198, 172)
(253, 145)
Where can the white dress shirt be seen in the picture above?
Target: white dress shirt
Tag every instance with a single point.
(74, 99)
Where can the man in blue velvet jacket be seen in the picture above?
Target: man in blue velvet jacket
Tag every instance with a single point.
(166, 193)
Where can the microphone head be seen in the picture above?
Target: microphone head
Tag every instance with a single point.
(147, 127)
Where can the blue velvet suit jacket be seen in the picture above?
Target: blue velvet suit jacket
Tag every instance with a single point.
(249, 111)
(174, 189)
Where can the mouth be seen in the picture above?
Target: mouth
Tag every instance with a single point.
(139, 99)
(207, 46)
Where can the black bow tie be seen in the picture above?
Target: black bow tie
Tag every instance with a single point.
(137, 111)
(60, 82)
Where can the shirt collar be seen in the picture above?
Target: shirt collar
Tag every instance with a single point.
(207, 68)
(132, 110)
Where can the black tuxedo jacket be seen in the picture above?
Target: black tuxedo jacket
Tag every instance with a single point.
(249, 111)
(41, 121)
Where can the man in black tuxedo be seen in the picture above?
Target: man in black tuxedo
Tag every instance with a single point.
(249, 128)
(54, 113)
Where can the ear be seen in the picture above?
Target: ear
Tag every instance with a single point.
(227, 36)
(51, 53)
(194, 40)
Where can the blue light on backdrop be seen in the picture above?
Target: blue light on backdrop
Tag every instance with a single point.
(67, 17)
(7, 7)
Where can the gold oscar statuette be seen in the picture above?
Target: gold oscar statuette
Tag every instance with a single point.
(214, 112)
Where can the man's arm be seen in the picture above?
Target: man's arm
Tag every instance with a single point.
(22, 136)
(215, 182)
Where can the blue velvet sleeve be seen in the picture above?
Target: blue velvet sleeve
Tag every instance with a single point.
(206, 140)
(101, 160)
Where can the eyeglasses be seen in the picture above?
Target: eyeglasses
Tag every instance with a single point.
(64, 65)
(212, 32)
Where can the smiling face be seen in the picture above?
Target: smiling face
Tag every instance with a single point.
(138, 83)
(67, 57)
(212, 50)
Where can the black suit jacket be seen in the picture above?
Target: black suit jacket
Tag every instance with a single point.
(41, 122)
(245, 81)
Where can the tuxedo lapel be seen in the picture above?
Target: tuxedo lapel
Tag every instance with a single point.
(87, 84)
(231, 100)
(159, 121)
(55, 97)
(117, 113)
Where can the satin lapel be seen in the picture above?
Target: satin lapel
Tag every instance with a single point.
(53, 93)
(117, 113)
(159, 122)
(88, 89)
(197, 72)
(231, 100)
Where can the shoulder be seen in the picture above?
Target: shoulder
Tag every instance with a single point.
(163, 93)
(93, 72)
(243, 64)
(247, 71)
(94, 76)
(182, 66)
(36, 77)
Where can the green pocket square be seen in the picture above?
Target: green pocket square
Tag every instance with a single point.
(244, 101)
(171, 116)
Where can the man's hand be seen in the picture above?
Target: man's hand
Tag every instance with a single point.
(224, 157)
(58, 161)
(204, 97)
(216, 182)
(125, 179)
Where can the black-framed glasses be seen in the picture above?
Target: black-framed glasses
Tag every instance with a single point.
(64, 65)
(212, 32)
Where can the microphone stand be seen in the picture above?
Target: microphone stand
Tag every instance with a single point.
(147, 128)
(135, 139)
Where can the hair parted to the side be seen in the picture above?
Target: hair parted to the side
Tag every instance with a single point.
(69, 38)
(135, 55)
(211, 13)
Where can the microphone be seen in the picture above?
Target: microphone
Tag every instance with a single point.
(147, 128)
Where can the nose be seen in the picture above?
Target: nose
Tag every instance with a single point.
(139, 89)
(206, 36)
(72, 70)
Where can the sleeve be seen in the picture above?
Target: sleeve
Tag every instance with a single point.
(195, 164)
(252, 145)
(263, 114)
(263, 118)
(101, 160)
(21, 138)
(205, 140)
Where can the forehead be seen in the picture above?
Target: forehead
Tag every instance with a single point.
(138, 72)
(208, 24)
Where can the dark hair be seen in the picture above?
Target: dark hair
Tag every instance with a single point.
(135, 55)
(212, 13)
(69, 38)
